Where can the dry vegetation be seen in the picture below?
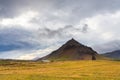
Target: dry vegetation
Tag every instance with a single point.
(67, 70)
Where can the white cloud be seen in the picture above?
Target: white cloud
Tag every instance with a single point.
(38, 53)
(23, 20)
(104, 26)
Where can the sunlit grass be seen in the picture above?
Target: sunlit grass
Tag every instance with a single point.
(65, 70)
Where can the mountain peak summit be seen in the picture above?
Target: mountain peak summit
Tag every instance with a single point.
(72, 39)
(73, 42)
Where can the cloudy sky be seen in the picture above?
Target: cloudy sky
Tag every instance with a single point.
(33, 28)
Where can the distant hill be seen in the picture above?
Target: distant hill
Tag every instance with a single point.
(73, 50)
(114, 54)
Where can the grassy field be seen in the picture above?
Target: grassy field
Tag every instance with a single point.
(67, 70)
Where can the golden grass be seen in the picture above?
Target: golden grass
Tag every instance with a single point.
(64, 70)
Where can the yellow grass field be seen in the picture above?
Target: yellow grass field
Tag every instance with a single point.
(64, 70)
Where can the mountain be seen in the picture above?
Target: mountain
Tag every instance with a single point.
(114, 54)
(73, 50)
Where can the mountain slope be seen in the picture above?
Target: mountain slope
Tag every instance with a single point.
(73, 50)
(114, 54)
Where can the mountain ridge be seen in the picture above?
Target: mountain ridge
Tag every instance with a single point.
(73, 50)
(114, 54)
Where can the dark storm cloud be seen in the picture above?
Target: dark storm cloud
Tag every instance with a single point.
(11, 8)
(64, 32)
(13, 39)
(79, 9)
(76, 8)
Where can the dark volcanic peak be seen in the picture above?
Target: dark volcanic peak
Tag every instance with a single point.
(73, 50)
(73, 42)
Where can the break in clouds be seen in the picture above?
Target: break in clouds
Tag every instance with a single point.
(34, 28)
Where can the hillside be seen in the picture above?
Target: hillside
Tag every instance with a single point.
(73, 50)
(114, 54)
